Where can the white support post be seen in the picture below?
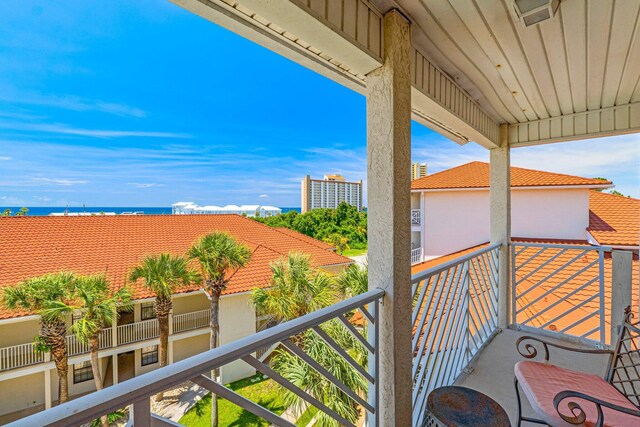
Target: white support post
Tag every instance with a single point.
(389, 200)
(47, 383)
(621, 268)
(114, 329)
(500, 212)
(114, 368)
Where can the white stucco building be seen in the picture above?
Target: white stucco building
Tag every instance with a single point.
(450, 209)
(190, 208)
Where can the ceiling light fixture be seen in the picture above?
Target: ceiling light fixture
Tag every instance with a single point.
(532, 12)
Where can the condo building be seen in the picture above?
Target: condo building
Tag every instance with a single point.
(329, 192)
(418, 170)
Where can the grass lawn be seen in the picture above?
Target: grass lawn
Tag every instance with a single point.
(266, 393)
(354, 252)
(307, 416)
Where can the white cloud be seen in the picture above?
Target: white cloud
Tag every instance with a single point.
(145, 184)
(96, 133)
(57, 181)
(5, 158)
(75, 103)
(263, 196)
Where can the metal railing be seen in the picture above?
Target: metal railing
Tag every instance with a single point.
(138, 331)
(455, 314)
(189, 321)
(416, 255)
(138, 390)
(18, 356)
(560, 289)
(416, 217)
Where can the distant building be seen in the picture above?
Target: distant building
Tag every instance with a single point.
(330, 192)
(418, 170)
(189, 208)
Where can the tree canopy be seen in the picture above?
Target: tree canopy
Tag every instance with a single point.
(345, 221)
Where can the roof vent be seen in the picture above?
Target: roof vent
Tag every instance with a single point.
(532, 12)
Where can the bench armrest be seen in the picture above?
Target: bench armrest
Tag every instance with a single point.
(529, 351)
(578, 415)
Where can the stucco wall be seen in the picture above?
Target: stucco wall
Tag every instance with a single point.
(188, 347)
(18, 332)
(192, 302)
(456, 220)
(21, 393)
(237, 320)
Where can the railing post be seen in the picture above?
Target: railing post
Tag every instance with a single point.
(114, 329)
(142, 413)
(47, 383)
(388, 183)
(500, 218)
(621, 269)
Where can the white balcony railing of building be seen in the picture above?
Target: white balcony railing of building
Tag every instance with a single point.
(455, 313)
(18, 356)
(560, 289)
(416, 217)
(137, 391)
(138, 331)
(21, 355)
(75, 346)
(189, 321)
(416, 255)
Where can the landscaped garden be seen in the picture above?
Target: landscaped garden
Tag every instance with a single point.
(264, 392)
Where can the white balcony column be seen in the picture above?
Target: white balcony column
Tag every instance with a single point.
(389, 210)
(47, 383)
(114, 329)
(500, 212)
(621, 269)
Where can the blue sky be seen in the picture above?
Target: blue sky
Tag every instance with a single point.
(141, 103)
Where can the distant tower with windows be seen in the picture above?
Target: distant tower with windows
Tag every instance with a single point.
(330, 192)
(418, 170)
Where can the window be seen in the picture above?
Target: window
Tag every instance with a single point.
(147, 311)
(149, 355)
(82, 372)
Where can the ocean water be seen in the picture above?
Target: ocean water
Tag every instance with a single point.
(148, 210)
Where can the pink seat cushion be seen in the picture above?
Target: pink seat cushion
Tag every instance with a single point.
(541, 382)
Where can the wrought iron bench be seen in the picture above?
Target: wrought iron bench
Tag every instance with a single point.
(563, 397)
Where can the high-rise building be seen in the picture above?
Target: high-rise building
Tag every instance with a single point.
(418, 170)
(330, 192)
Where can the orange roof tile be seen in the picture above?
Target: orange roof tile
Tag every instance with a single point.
(476, 175)
(305, 238)
(614, 220)
(31, 246)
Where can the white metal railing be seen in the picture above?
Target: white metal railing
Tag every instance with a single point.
(560, 289)
(455, 314)
(18, 356)
(416, 255)
(189, 321)
(75, 346)
(138, 390)
(138, 331)
(416, 217)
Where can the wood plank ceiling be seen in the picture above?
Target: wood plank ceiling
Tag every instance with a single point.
(585, 58)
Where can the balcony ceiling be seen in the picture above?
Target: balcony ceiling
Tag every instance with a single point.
(586, 57)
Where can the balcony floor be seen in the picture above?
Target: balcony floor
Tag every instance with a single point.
(493, 370)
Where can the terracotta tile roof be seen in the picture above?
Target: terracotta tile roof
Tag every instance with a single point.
(614, 220)
(476, 175)
(31, 246)
(305, 238)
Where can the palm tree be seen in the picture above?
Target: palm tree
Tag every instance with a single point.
(97, 309)
(217, 253)
(163, 274)
(353, 280)
(298, 289)
(47, 296)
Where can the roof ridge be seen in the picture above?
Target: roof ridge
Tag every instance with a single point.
(562, 174)
(448, 170)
